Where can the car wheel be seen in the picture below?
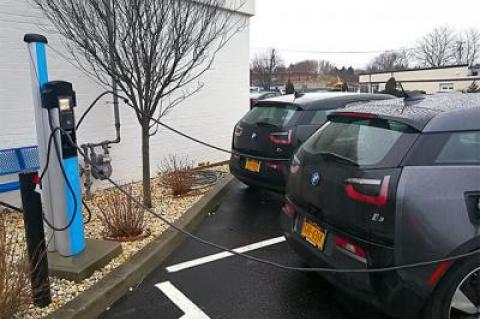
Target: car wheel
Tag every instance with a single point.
(458, 296)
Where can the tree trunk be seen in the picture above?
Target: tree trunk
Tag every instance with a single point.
(147, 192)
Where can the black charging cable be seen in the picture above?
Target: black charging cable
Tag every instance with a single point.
(64, 174)
(9, 206)
(272, 263)
(80, 121)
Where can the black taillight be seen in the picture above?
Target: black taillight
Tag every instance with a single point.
(289, 210)
(238, 130)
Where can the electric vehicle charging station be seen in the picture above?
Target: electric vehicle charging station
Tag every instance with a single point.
(61, 194)
(70, 255)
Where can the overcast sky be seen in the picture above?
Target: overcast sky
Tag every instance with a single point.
(352, 25)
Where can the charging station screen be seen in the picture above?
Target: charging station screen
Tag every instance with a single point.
(64, 104)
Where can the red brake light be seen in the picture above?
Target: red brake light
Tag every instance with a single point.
(357, 115)
(238, 130)
(350, 248)
(379, 200)
(284, 138)
(253, 102)
(274, 166)
(288, 209)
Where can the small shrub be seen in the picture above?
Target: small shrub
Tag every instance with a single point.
(15, 292)
(176, 174)
(289, 87)
(122, 219)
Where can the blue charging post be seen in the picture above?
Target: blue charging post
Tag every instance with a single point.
(70, 256)
(54, 104)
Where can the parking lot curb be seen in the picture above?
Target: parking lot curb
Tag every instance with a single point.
(94, 301)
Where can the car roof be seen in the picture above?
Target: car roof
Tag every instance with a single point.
(325, 100)
(259, 94)
(429, 113)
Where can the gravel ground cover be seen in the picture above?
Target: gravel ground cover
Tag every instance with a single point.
(64, 291)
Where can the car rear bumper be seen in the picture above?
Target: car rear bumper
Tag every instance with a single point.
(385, 291)
(266, 178)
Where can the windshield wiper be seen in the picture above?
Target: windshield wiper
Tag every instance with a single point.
(338, 158)
(266, 124)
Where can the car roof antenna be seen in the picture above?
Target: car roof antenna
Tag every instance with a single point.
(405, 94)
(297, 95)
(405, 97)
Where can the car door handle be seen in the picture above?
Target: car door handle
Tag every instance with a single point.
(472, 200)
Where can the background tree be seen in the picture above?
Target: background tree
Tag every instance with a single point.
(264, 67)
(289, 88)
(437, 48)
(155, 50)
(468, 46)
(391, 86)
(305, 67)
(390, 61)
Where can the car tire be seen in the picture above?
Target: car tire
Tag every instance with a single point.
(439, 303)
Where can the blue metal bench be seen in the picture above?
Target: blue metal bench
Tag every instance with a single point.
(15, 161)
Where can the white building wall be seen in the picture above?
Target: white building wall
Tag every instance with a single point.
(209, 115)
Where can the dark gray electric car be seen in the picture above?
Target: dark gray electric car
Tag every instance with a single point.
(392, 183)
(276, 127)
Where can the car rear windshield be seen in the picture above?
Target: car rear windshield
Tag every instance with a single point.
(362, 142)
(277, 115)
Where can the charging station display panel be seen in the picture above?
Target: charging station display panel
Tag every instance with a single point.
(64, 103)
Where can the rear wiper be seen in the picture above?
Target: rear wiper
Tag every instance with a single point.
(266, 124)
(338, 158)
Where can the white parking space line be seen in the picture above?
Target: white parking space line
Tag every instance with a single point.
(178, 298)
(215, 257)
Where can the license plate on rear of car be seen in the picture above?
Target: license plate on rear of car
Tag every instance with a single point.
(313, 234)
(253, 165)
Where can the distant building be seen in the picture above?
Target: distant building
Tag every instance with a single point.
(453, 78)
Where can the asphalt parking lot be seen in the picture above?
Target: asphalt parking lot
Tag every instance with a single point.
(222, 286)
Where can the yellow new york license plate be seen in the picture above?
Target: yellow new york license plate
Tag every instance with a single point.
(313, 234)
(252, 165)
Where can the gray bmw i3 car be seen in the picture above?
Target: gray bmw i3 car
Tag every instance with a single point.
(393, 183)
(276, 127)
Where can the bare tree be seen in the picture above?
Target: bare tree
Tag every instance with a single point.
(390, 60)
(156, 51)
(437, 48)
(469, 49)
(264, 66)
(305, 67)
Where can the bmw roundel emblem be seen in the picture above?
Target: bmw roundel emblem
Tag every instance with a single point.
(254, 136)
(315, 179)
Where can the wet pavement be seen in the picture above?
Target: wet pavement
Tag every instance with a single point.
(222, 286)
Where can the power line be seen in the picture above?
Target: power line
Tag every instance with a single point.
(330, 52)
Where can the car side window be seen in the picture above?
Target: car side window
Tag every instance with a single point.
(319, 117)
(461, 148)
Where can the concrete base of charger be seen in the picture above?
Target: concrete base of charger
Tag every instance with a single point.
(97, 254)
